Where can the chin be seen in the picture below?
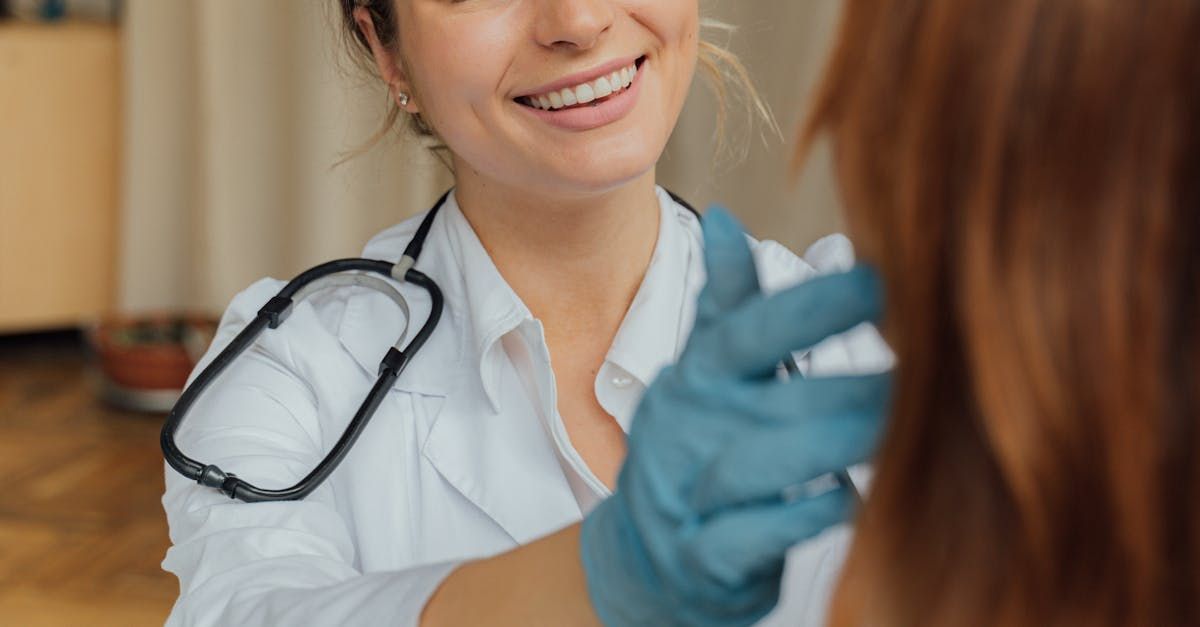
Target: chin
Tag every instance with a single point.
(599, 178)
(604, 168)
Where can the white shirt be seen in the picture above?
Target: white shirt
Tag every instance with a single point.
(467, 455)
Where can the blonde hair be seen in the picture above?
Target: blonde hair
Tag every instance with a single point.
(724, 72)
(731, 84)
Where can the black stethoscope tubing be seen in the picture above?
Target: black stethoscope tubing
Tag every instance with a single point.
(272, 315)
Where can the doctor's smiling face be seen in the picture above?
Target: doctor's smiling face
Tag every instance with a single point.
(559, 97)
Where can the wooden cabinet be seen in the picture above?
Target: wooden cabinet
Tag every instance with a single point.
(59, 172)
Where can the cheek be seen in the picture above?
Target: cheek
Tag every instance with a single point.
(675, 25)
(453, 81)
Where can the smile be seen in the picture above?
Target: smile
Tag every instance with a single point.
(588, 93)
(588, 102)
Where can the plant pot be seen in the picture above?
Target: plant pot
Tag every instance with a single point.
(151, 353)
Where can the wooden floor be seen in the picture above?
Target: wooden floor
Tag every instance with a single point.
(82, 532)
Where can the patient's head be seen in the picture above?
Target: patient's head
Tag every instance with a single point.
(1026, 174)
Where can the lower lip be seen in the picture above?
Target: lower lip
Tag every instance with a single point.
(593, 116)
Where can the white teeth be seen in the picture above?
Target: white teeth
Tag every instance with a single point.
(588, 92)
(603, 87)
(585, 94)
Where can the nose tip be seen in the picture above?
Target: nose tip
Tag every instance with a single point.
(573, 23)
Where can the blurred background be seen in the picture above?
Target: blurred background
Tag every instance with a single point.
(157, 156)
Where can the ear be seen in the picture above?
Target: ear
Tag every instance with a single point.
(386, 59)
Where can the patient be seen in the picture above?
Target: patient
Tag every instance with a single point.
(1026, 174)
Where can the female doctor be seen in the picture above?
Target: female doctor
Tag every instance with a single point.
(570, 279)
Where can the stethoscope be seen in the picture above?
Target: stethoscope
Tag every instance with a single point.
(340, 273)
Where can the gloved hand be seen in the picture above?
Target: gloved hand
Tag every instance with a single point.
(698, 528)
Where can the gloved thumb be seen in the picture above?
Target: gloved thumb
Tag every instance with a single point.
(732, 277)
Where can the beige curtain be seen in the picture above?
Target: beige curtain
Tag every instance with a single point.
(236, 113)
(784, 44)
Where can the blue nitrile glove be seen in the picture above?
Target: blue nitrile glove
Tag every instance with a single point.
(698, 528)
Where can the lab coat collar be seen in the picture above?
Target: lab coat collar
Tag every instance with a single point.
(640, 347)
(500, 464)
(663, 301)
(496, 460)
(370, 321)
(481, 307)
(493, 309)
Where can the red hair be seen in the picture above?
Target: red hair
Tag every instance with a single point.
(1026, 174)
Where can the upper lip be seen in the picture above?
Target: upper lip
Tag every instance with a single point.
(580, 78)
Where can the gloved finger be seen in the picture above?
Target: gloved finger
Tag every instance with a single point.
(763, 465)
(773, 402)
(734, 548)
(732, 277)
(753, 339)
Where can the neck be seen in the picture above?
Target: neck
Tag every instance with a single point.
(575, 260)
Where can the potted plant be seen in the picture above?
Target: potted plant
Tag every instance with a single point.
(144, 358)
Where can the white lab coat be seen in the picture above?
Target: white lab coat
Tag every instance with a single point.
(466, 457)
